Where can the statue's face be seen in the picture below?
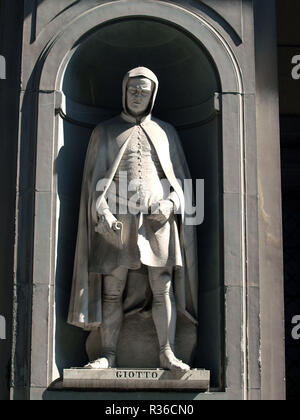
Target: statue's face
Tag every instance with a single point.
(139, 93)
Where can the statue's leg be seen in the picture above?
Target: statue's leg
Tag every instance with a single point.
(163, 307)
(164, 316)
(112, 317)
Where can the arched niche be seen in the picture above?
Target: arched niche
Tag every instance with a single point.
(92, 88)
(215, 137)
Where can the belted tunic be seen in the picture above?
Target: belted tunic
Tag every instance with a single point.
(140, 182)
(140, 170)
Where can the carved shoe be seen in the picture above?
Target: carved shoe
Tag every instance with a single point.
(170, 362)
(104, 362)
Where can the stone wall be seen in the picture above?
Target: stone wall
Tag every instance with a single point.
(251, 251)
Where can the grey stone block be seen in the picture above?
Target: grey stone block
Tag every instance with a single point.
(233, 239)
(136, 379)
(232, 12)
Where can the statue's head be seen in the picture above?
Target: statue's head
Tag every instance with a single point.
(140, 88)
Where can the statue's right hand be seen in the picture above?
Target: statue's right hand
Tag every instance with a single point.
(106, 223)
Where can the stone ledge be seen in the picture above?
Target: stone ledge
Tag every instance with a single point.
(131, 379)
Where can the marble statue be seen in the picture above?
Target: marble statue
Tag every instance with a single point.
(132, 213)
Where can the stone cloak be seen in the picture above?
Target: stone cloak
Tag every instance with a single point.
(107, 146)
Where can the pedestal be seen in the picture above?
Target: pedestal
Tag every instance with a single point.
(133, 379)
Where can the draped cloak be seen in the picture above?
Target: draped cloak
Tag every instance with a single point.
(106, 149)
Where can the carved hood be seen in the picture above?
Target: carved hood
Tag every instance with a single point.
(140, 72)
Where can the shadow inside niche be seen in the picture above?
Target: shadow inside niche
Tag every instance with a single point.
(188, 77)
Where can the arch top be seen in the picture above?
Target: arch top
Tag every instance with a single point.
(56, 55)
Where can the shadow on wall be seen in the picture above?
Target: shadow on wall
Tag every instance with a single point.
(70, 163)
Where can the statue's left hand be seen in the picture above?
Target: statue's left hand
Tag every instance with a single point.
(165, 210)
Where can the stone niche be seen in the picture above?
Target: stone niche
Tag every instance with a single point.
(74, 56)
(91, 89)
